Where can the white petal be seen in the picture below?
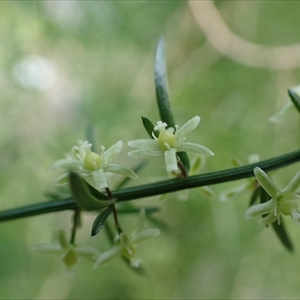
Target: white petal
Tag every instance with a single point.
(88, 252)
(100, 179)
(192, 147)
(107, 256)
(171, 160)
(185, 129)
(66, 164)
(234, 192)
(295, 215)
(294, 185)
(145, 154)
(144, 144)
(113, 150)
(47, 248)
(120, 170)
(266, 182)
(62, 179)
(146, 235)
(269, 219)
(260, 209)
(140, 223)
(206, 191)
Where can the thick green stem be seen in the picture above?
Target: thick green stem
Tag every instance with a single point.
(158, 188)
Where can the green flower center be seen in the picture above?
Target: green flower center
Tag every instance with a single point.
(129, 251)
(287, 206)
(166, 140)
(92, 161)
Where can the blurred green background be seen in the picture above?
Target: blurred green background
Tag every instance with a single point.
(66, 64)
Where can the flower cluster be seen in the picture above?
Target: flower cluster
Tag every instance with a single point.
(281, 202)
(125, 246)
(169, 141)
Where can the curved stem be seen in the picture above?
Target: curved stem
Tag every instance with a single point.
(158, 188)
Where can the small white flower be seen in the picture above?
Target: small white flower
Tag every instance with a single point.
(281, 202)
(126, 243)
(168, 143)
(69, 253)
(89, 164)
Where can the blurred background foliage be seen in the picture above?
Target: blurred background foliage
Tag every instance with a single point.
(66, 64)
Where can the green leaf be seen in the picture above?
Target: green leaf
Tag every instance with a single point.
(184, 160)
(282, 235)
(149, 127)
(255, 195)
(96, 193)
(162, 94)
(83, 197)
(99, 221)
(295, 98)
(161, 85)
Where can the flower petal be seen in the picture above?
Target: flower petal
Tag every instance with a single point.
(295, 215)
(100, 179)
(171, 160)
(144, 144)
(269, 219)
(107, 256)
(144, 153)
(185, 129)
(234, 192)
(141, 220)
(70, 259)
(266, 182)
(120, 170)
(66, 164)
(146, 235)
(294, 185)
(88, 252)
(192, 147)
(260, 209)
(62, 179)
(113, 150)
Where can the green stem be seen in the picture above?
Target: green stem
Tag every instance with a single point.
(158, 188)
(76, 224)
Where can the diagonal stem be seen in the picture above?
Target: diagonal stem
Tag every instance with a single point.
(158, 188)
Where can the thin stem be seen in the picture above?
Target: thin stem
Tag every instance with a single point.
(182, 169)
(159, 188)
(115, 214)
(76, 224)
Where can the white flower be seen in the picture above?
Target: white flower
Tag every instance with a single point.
(168, 143)
(89, 164)
(69, 253)
(281, 202)
(126, 243)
